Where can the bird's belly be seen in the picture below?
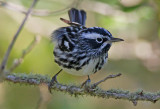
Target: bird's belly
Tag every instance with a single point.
(90, 68)
(81, 65)
(85, 70)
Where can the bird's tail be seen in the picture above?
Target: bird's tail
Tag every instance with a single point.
(78, 16)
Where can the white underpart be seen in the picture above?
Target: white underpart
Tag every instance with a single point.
(86, 70)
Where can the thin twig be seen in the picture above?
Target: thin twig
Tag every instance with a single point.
(44, 98)
(37, 12)
(37, 79)
(38, 106)
(72, 23)
(3, 64)
(18, 61)
(108, 77)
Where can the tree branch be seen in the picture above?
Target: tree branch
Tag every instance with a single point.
(37, 79)
(4, 61)
(106, 78)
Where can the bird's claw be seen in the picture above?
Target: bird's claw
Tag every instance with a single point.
(87, 82)
(53, 81)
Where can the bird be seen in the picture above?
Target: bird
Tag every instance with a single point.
(80, 50)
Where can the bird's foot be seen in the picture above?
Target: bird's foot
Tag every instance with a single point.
(53, 81)
(87, 82)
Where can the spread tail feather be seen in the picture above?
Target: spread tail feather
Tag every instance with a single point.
(78, 16)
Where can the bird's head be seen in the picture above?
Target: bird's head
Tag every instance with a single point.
(97, 40)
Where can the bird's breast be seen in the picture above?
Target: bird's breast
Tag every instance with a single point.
(78, 64)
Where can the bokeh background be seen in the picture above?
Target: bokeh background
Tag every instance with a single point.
(137, 58)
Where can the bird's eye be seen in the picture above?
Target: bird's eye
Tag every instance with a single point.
(99, 40)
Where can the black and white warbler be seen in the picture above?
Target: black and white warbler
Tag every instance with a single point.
(80, 50)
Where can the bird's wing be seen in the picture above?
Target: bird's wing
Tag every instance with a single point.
(64, 37)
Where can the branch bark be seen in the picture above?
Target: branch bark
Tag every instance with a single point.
(37, 79)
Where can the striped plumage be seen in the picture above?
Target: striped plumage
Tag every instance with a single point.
(80, 50)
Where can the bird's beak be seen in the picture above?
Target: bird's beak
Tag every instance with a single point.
(115, 40)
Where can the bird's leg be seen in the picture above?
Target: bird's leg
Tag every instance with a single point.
(54, 80)
(86, 82)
